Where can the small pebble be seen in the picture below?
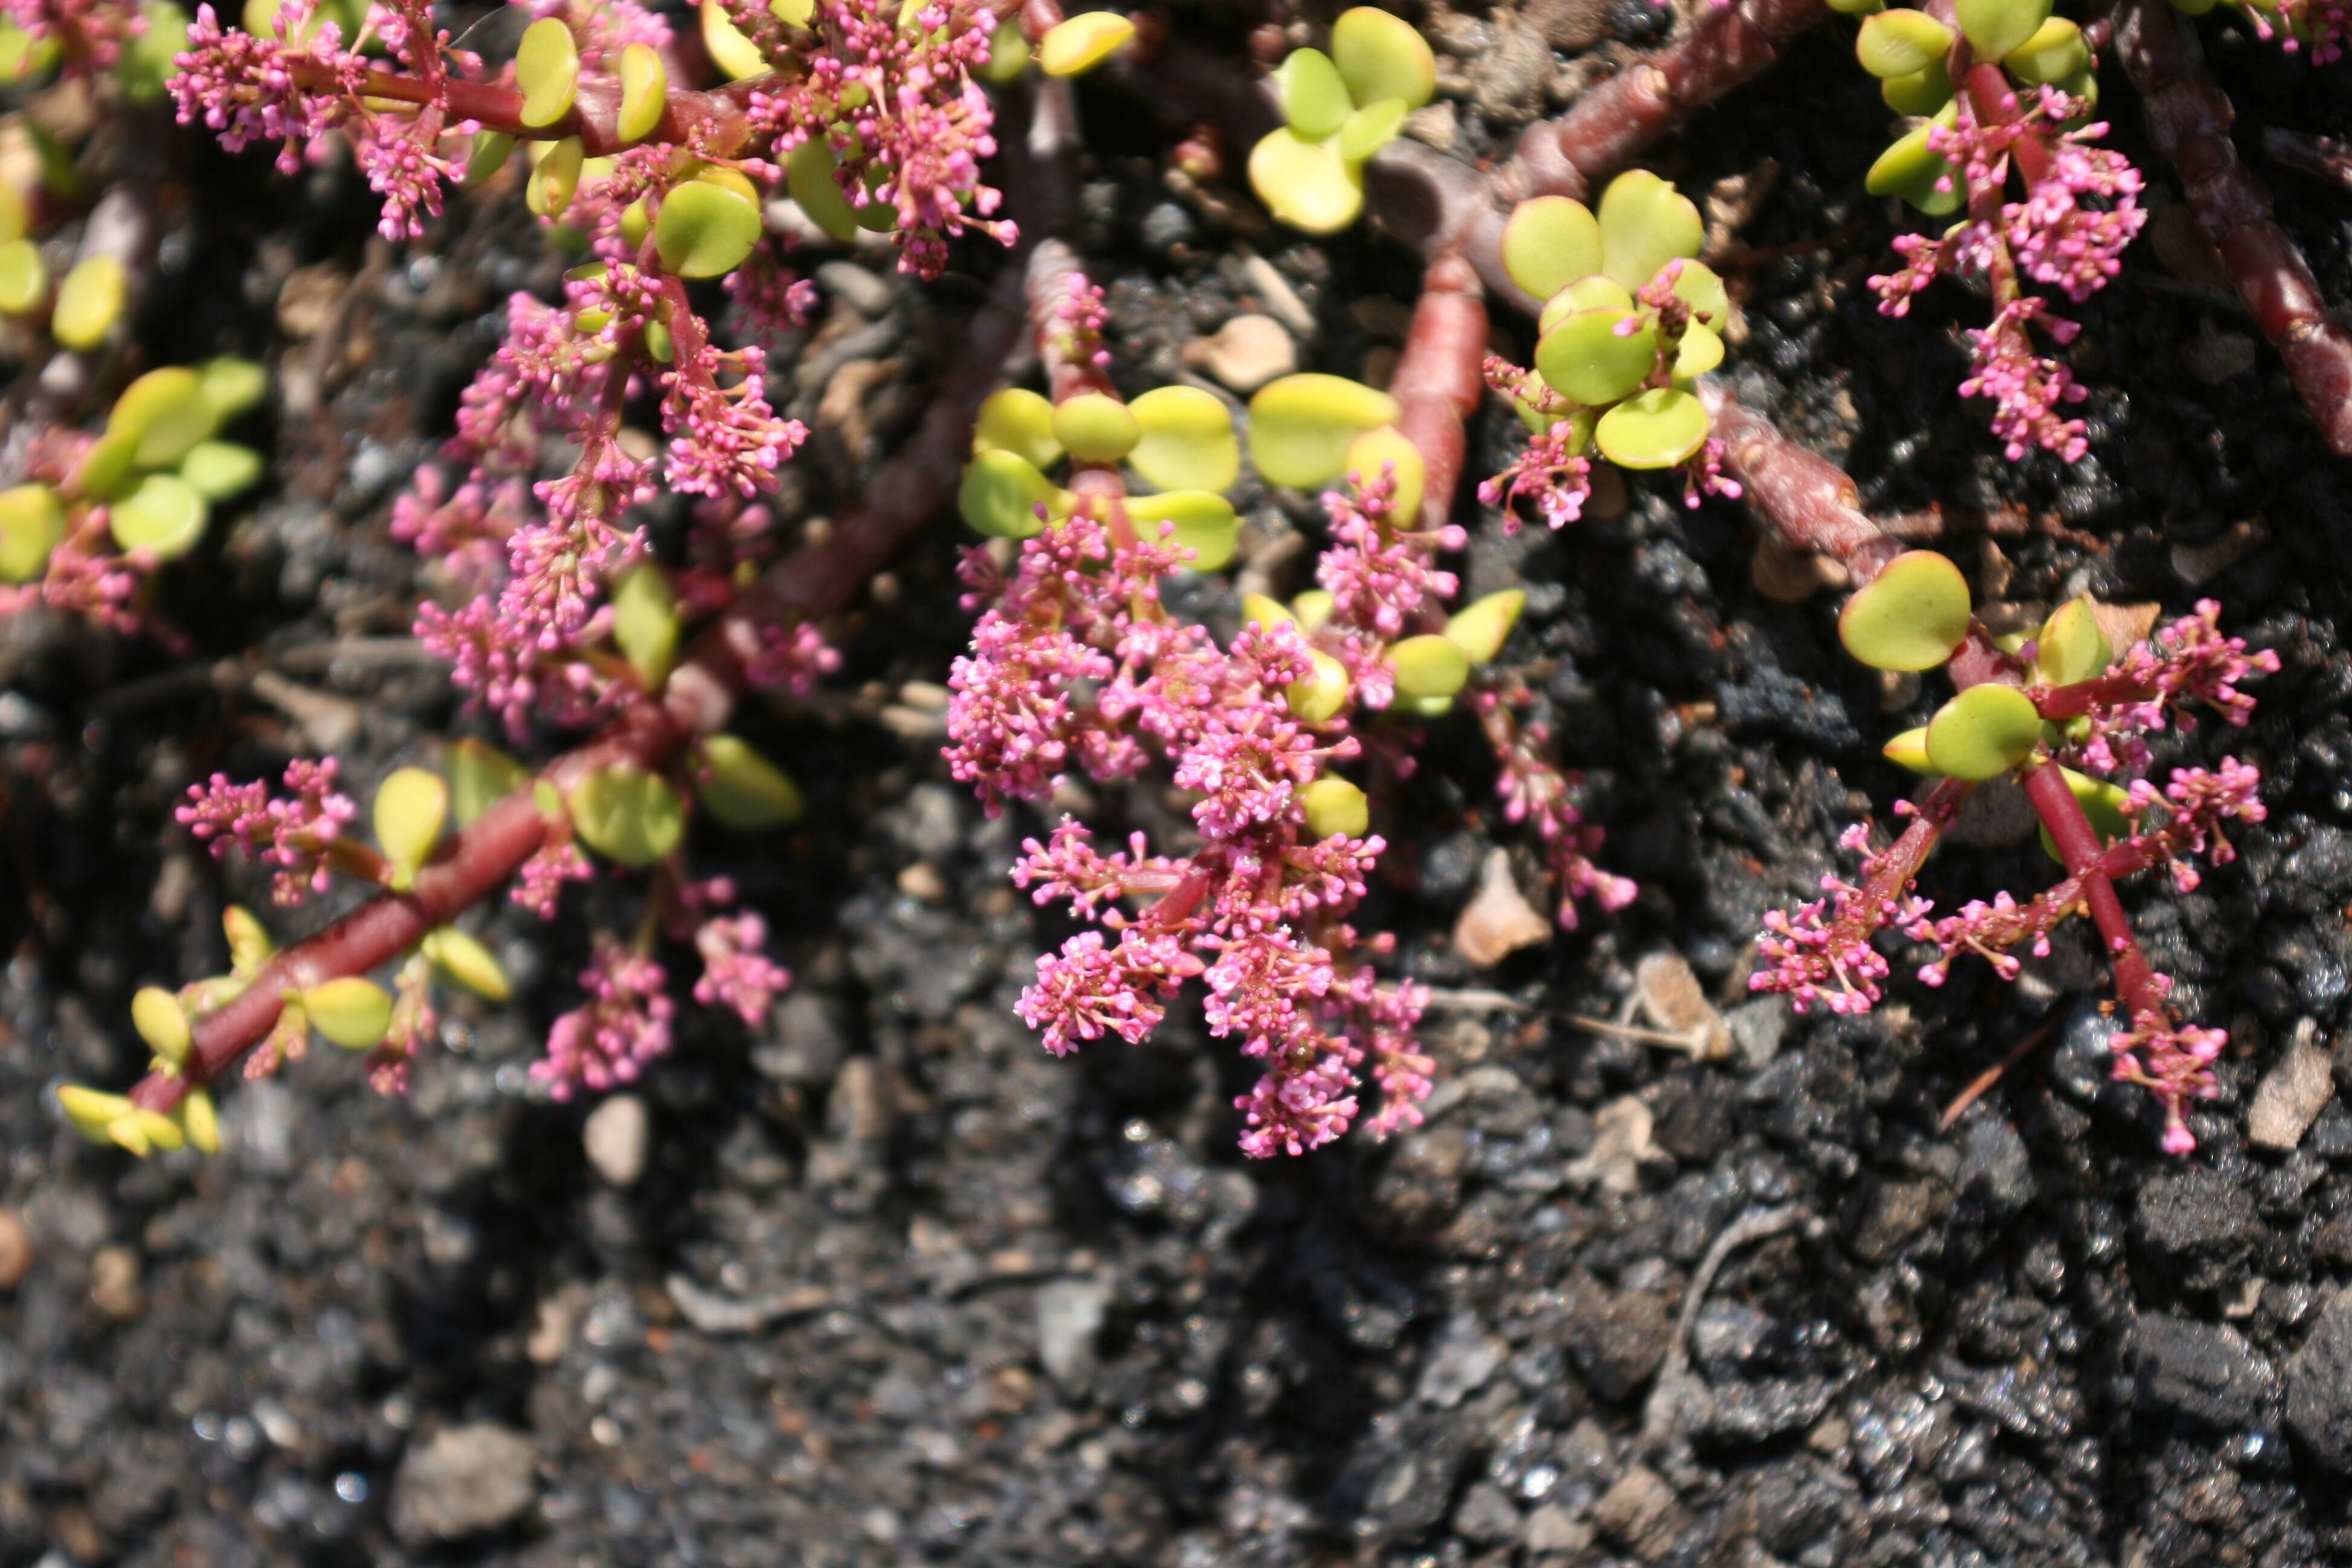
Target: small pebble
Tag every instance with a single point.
(616, 1137)
(2292, 1093)
(1499, 920)
(114, 1283)
(15, 1249)
(1244, 353)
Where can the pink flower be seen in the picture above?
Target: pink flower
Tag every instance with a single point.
(539, 886)
(1088, 989)
(294, 833)
(735, 972)
(625, 1024)
(2173, 1062)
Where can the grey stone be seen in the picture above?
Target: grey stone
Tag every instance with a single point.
(2204, 1371)
(2319, 1388)
(616, 1137)
(1640, 1513)
(1069, 1315)
(1487, 1516)
(2196, 1227)
(464, 1481)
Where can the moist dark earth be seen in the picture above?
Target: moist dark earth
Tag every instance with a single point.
(883, 1282)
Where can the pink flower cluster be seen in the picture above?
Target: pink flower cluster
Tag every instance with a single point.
(90, 33)
(2173, 1062)
(625, 1024)
(295, 832)
(2324, 26)
(1533, 790)
(1076, 664)
(2081, 210)
(920, 124)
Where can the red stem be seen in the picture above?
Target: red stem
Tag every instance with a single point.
(1440, 380)
(2187, 118)
(2085, 857)
(593, 116)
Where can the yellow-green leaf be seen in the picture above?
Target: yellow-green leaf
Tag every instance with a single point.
(1644, 224)
(161, 1022)
(1913, 616)
(627, 814)
(1429, 665)
(163, 413)
(1548, 243)
(350, 1011)
(1018, 420)
(163, 514)
(1335, 807)
(24, 278)
(89, 302)
(1081, 43)
(705, 229)
(1983, 733)
(1096, 427)
(1380, 56)
(411, 808)
(646, 622)
(1186, 441)
(467, 962)
(1480, 629)
(1314, 98)
(645, 87)
(1001, 494)
(1656, 429)
(1386, 451)
(1202, 520)
(2071, 647)
(547, 68)
(32, 521)
(481, 775)
(743, 790)
(1302, 425)
(1313, 187)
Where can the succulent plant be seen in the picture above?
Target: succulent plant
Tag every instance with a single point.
(1338, 109)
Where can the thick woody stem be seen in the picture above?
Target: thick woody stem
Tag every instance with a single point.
(2187, 118)
(2085, 856)
(1438, 383)
(1809, 500)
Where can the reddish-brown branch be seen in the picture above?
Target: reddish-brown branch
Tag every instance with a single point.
(2085, 857)
(1439, 380)
(2328, 157)
(2187, 118)
(593, 116)
(1809, 500)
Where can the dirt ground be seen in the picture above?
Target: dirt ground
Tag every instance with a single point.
(885, 1283)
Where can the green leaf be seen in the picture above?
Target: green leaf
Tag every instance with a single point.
(1335, 807)
(2071, 647)
(1428, 665)
(1310, 185)
(808, 176)
(2102, 802)
(744, 790)
(1913, 616)
(1001, 494)
(467, 961)
(2054, 53)
(1983, 733)
(249, 946)
(1588, 359)
(1922, 93)
(1314, 101)
(231, 386)
(557, 175)
(1318, 698)
(481, 775)
(92, 1110)
(547, 68)
(1187, 441)
(1312, 608)
(1302, 425)
(200, 1120)
(411, 807)
(705, 229)
(1008, 53)
(627, 814)
(163, 413)
(490, 151)
(161, 1022)
(1257, 610)
(1548, 243)
(89, 302)
(1386, 451)
(146, 63)
(1019, 421)
(1380, 56)
(1479, 629)
(644, 89)
(1909, 750)
(1096, 427)
(646, 622)
(1371, 128)
(22, 56)
(1597, 292)
(165, 514)
(24, 278)
(32, 521)
(1076, 46)
(1699, 351)
(728, 49)
(1657, 429)
(1911, 169)
(1699, 286)
(1203, 519)
(1644, 224)
(1901, 41)
(350, 1011)
(219, 469)
(1994, 27)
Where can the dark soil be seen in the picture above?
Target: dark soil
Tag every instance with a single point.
(895, 1286)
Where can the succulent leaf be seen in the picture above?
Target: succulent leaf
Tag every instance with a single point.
(627, 814)
(1380, 55)
(743, 790)
(1913, 616)
(1983, 733)
(1548, 243)
(1302, 425)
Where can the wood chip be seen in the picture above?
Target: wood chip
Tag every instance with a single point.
(1499, 920)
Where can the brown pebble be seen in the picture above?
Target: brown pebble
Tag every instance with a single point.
(15, 1249)
(114, 1283)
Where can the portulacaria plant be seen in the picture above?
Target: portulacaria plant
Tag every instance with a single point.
(2068, 720)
